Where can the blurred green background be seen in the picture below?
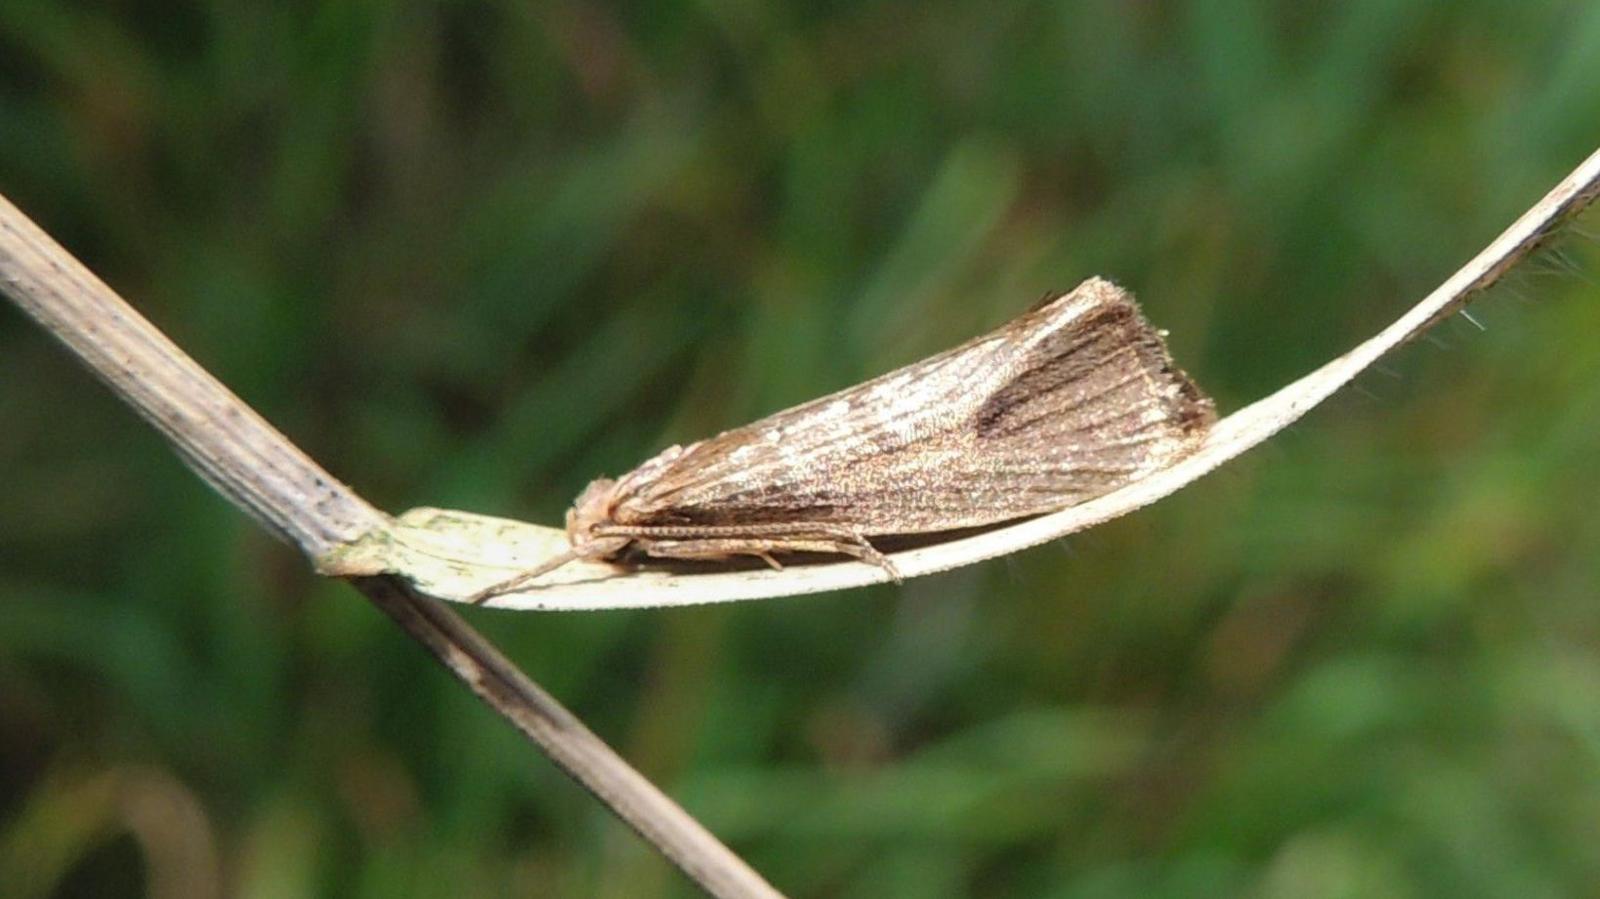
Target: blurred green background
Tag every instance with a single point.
(473, 254)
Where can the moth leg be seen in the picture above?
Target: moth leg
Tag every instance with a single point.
(847, 541)
(857, 546)
(848, 544)
(714, 549)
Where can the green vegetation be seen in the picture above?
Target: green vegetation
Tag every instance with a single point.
(473, 254)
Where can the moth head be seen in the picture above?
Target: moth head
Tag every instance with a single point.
(593, 508)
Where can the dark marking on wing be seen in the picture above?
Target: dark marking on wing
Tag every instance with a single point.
(1074, 358)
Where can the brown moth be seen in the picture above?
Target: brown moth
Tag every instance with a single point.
(1072, 400)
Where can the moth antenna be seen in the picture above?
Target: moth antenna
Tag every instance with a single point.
(512, 583)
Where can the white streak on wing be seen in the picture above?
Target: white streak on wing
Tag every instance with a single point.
(895, 409)
(898, 404)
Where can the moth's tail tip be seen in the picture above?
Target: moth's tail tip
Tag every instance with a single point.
(1198, 412)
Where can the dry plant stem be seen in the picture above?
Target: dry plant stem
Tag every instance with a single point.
(256, 467)
(225, 441)
(570, 744)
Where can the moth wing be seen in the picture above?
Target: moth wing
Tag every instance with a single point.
(1066, 402)
(1085, 408)
(798, 463)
